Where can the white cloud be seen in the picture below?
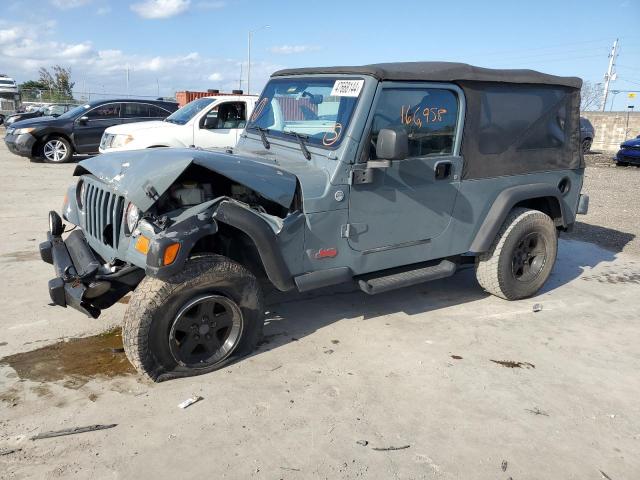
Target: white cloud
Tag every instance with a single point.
(9, 35)
(67, 4)
(289, 49)
(26, 47)
(155, 9)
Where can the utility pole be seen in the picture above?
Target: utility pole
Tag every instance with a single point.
(127, 80)
(610, 75)
(251, 32)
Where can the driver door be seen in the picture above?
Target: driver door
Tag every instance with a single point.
(221, 126)
(88, 132)
(410, 201)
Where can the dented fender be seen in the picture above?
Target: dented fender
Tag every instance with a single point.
(187, 233)
(202, 220)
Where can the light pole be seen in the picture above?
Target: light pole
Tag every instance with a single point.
(251, 32)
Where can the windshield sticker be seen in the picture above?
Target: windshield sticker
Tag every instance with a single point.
(347, 88)
(409, 115)
(332, 137)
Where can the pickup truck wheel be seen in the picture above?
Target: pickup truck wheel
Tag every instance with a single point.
(521, 257)
(198, 321)
(57, 150)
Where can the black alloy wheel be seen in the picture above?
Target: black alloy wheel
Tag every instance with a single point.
(529, 257)
(205, 331)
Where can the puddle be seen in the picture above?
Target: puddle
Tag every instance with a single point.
(512, 364)
(75, 362)
(20, 256)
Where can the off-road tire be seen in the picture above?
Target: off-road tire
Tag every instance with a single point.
(494, 267)
(155, 303)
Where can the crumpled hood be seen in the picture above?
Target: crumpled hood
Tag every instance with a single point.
(634, 142)
(131, 128)
(132, 173)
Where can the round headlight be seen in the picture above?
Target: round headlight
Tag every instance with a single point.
(132, 216)
(80, 192)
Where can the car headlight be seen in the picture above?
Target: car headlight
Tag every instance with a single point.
(120, 140)
(22, 131)
(80, 191)
(132, 215)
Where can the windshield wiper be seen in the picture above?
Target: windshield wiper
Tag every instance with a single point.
(301, 138)
(262, 132)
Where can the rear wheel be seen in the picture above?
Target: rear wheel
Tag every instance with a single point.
(57, 150)
(196, 322)
(586, 145)
(521, 257)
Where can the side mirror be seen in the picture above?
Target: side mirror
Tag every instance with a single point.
(392, 144)
(83, 120)
(210, 123)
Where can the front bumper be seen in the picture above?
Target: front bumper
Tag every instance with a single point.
(20, 144)
(628, 156)
(74, 263)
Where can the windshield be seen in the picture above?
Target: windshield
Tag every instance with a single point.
(186, 113)
(317, 108)
(75, 111)
(7, 82)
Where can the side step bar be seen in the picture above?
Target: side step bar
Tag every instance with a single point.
(406, 278)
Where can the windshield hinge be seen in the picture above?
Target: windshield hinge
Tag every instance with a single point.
(360, 176)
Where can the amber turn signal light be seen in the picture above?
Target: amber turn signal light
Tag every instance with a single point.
(170, 254)
(142, 244)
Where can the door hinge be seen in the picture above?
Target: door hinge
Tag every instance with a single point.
(345, 230)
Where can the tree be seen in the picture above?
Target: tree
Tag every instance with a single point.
(590, 96)
(53, 86)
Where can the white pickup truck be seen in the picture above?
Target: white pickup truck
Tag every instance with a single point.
(206, 122)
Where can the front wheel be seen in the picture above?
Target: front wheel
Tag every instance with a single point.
(586, 145)
(57, 150)
(521, 257)
(196, 322)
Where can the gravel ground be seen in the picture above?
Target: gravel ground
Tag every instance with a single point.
(612, 221)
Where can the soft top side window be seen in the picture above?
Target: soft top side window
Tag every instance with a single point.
(428, 115)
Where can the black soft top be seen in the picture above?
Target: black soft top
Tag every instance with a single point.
(438, 72)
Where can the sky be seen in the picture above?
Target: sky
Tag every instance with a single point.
(171, 45)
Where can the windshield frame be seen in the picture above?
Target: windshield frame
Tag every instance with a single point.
(206, 101)
(288, 136)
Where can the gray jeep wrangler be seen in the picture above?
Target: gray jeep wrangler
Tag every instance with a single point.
(382, 175)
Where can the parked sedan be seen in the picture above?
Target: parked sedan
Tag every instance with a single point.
(629, 152)
(79, 130)
(16, 117)
(587, 132)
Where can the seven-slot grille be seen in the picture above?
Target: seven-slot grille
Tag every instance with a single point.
(104, 210)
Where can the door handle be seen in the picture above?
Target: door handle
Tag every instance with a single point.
(443, 170)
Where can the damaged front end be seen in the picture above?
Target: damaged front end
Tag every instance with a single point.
(146, 213)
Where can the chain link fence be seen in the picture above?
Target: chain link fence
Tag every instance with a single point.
(78, 96)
